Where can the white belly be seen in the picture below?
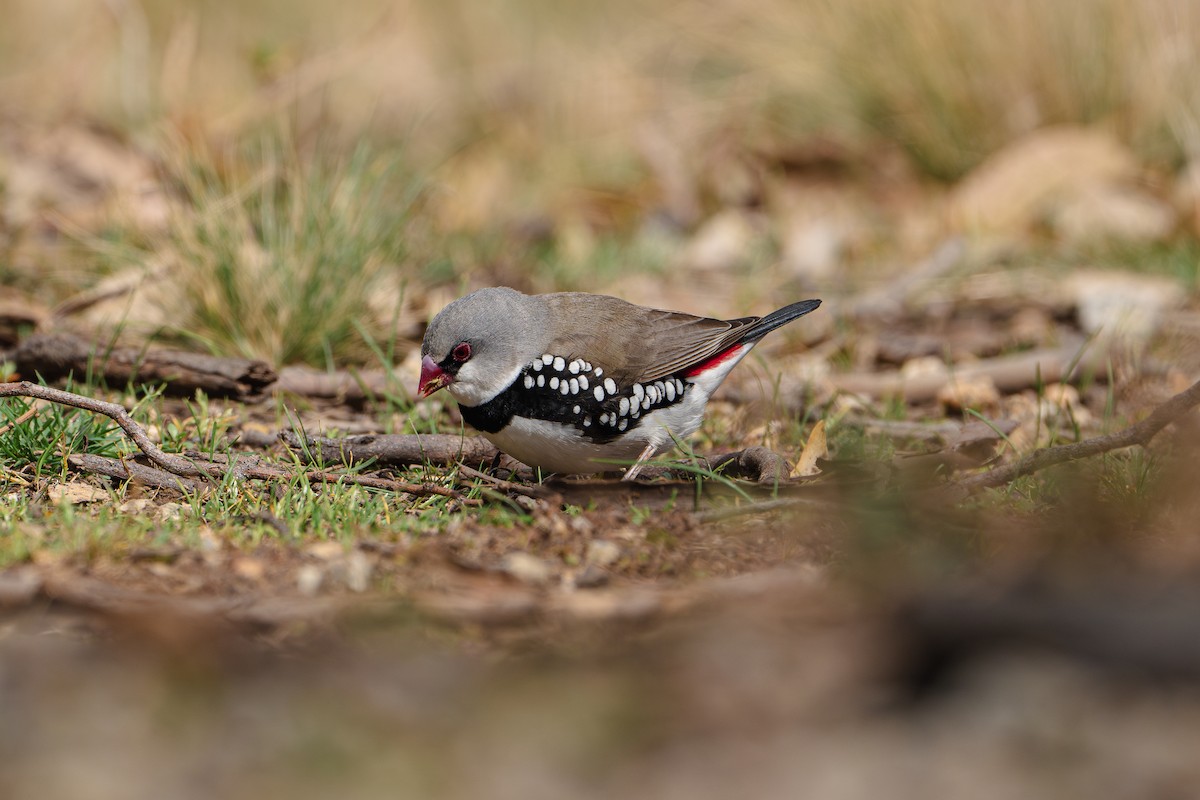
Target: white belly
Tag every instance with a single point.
(555, 447)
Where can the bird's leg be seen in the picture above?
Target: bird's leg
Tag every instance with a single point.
(495, 470)
(632, 472)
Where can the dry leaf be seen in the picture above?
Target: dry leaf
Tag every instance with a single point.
(806, 465)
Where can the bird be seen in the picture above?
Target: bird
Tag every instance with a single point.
(572, 382)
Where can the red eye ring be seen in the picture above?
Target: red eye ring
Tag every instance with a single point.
(461, 352)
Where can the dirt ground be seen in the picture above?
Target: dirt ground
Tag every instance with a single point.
(773, 675)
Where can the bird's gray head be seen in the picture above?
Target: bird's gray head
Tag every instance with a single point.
(476, 346)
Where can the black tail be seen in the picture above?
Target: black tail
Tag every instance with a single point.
(777, 319)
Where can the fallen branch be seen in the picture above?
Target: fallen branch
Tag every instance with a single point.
(54, 356)
(1010, 374)
(394, 450)
(131, 470)
(1139, 434)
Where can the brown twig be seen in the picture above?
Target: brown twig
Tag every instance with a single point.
(21, 420)
(1139, 434)
(199, 467)
(395, 449)
(1010, 373)
(422, 489)
(526, 489)
(252, 467)
(131, 470)
(171, 463)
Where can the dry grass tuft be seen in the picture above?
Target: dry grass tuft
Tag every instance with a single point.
(284, 258)
(953, 80)
(571, 95)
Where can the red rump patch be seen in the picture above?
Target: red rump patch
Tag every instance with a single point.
(719, 358)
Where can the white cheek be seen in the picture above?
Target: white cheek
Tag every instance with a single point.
(471, 388)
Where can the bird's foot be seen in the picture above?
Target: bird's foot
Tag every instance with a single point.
(632, 472)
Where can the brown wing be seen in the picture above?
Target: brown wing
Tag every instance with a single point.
(637, 344)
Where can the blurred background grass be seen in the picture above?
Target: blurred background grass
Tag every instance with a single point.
(292, 164)
(568, 85)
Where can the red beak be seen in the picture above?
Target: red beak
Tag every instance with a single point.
(433, 377)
